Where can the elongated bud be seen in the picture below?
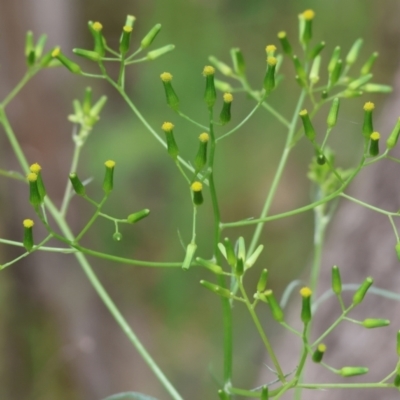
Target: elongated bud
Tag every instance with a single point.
(216, 269)
(90, 55)
(221, 66)
(314, 52)
(190, 250)
(286, 47)
(99, 41)
(314, 73)
(352, 371)
(335, 74)
(350, 94)
(360, 81)
(216, 289)
(334, 59)
(269, 80)
(336, 281)
(239, 268)
(69, 64)
(87, 101)
(77, 184)
(34, 195)
(210, 94)
(197, 188)
(374, 144)
(230, 253)
(223, 86)
(149, 38)
(264, 393)
(366, 68)
(307, 125)
(253, 258)
(276, 310)
(97, 107)
(137, 216)
(319, 353)
(368, 128)
(40, 46)
(201, 157)
(225, 115)
(172, 147)
(152, 55)
(172, 98)
(239, 65)
(30, 54)
(305, 293)
(125, 39)
(352, 55)
(362, 291)
(37, 169)
(108, 182)
(46, 60)
(375, 323)
(333, 113)
(394, 136)
(376, 88)
(270, 50)
(306, 31)
(262, 281)
(300, 71)
(28, 234)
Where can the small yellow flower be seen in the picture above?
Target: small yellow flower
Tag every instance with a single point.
(35, 168)
(28, 223)
(127, 29)
(167, 126)
(166, 77)
(270, 48)
(208, 70)
(308, 15)
(228, 98)
(97, 26)
(196, 186)
(322, 348)
(110, 164)
(204, 137)
(375, 136)
(32, 177)
(303, 113)
(281, 34)
(369, 106)
(271, 61)
(305, 292)
(56, 52)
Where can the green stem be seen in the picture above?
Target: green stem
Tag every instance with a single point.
(366, 205)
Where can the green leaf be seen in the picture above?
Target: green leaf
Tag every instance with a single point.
(129, 396)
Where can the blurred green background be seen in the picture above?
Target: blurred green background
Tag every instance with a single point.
(57, 341)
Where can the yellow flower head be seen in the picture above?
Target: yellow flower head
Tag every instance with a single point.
(369, 106)
(32, 177)
(228, 98)
(271, 61)
(28, 223)
(303, 113)
(196, 186)
(56, 52)
(97, 26)
(281, 34)
(127, 29)
(308, 15)
(270, 48)
(208, 70)
(110, 164)
(35, 168)
(167, 126)
(305, 292)
(204, 137)
(322, 348)
(166, 77)
(375, 136)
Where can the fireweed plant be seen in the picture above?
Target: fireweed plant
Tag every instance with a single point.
(231, 259)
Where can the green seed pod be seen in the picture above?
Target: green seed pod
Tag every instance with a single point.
(350, 94)
(286, 47)
(30, 53)
(306, 19)
(210, 94)
(374, 144)
(239, 65)
(314, 73)
(137, 216)
(221, 66)
(197, 193)
(269, 79)
(99, 41)
(319, 353)
(216, 289)
(334, 59)
(336, 281)
(376, 88)
(352, 371)
(90, 55)
(316, 50)
(34, 195)
(190, 250)
(360, 81)
(149, 38)
(172, 147)
(28, 234)
(171, 96)
(324, 94)
(69, 64)
(366, 68)
(375, 323)
(108, 182)
(352, 55)
(216, 269)
(276, 310)
(201, 157)
(37, 169)
(368, 128)
(305, 293)
(117, 236)
(230, 253)
(307, 125)
(264, 393)
(262, 281)
(362, 291)
(335, 74)
(125, 39)
(239, 268)
(152, 55)
(77, 184)
(300, 71)
(394, 136)
(333, 113)
(225, 115)
(321, 160)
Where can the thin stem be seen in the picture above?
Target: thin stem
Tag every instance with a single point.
(39, 247)
(181, 114)
(366, 205)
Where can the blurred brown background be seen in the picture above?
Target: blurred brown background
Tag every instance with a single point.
(57, 341)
